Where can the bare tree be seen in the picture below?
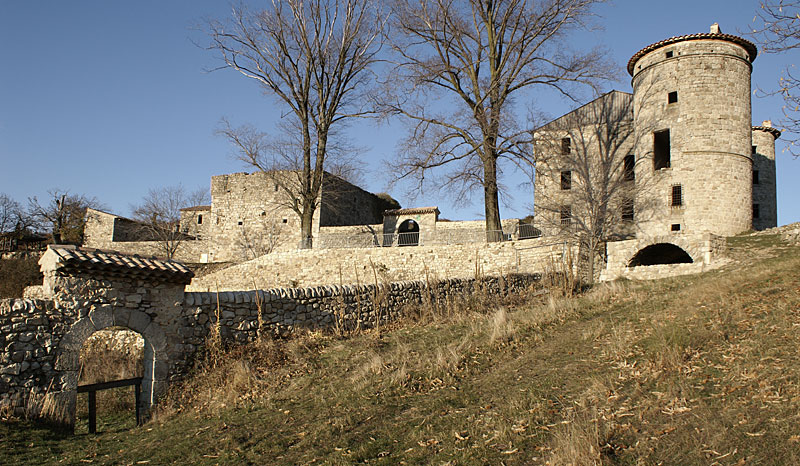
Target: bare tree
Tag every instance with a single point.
(777, 30)
(462, 61)
(264, 239)
(160, 216)
(315, 57)
(64, 215)
(12, 216)
(585, 171)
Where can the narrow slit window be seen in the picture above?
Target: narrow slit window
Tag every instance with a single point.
(672, 97)
(566, 180)
(676, 199)
(627, 210)
(661, 150)
(566, 146)
(629, 164)
(755, 177)
(566, 215)
(756, 212)
(199, 219)
(276, 187)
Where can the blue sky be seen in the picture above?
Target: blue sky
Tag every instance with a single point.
(110, 99)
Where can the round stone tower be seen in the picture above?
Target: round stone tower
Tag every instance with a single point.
(765, 197)
(693, 134)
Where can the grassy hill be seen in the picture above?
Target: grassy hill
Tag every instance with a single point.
(701, 369)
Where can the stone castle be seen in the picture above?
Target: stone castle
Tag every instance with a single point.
(689, 166)
(681, 149)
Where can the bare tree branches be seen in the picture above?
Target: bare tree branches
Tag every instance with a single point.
(778, 31)
(476, 55)
(64, 215)
(160, 215)
(12, 216)
(315, 57)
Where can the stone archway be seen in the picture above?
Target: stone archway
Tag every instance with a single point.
(155, 362)
(660, 253)
(408, 233)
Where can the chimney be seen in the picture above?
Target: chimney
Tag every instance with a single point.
(715, 29)
(767, 124)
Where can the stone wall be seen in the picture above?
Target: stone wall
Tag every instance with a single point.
(29, 333)
(704, 249)
(315, 267)
(286, 310)
(40, 340)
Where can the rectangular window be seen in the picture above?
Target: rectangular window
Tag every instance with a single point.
(627, 210)
(672, 97)
(669, 54)
(566, 180)
(756, 212)
(199, 219)
(566, 215)
(661, 150)
(566, 146)
(629, 164)
(676, 200)
(755, 176)
(754, 149)
(676, 227)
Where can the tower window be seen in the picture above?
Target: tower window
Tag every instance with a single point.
(755, 176)
(676, 227)
(627, 210)
(566, 180)
(276, 187)
(661, 150)
(628, 167)
(199, 219)
(754, 149)
(669, 54)
(566, 215)
(285, 220)
(240, 222)
(676, 200)
(566, 146)
(672, 97)
(756, 213)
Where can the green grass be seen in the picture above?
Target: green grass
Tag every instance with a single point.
(689, 370)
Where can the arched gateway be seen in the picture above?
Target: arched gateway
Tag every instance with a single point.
(94, 290)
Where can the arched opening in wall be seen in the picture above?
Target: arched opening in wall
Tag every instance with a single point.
(661, 253)
(408, 233)
(109, 357)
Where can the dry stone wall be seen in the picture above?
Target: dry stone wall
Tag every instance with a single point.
(306, 268)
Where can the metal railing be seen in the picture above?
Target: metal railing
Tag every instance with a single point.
(443, 236)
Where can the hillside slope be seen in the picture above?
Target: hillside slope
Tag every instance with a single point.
(693, 370)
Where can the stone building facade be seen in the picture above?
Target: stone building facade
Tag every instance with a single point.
(697, 165)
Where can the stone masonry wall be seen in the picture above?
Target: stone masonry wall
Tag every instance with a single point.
(40, 340)
(315, 267)
(286, 310)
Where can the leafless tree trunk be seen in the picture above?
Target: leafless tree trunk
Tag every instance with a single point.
(777, 30)
(160, 216)
(12, 216)
(315, 57)
(476, 55)
(585, 179)
(64, 215)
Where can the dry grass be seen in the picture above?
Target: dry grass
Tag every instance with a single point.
(692, 370)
